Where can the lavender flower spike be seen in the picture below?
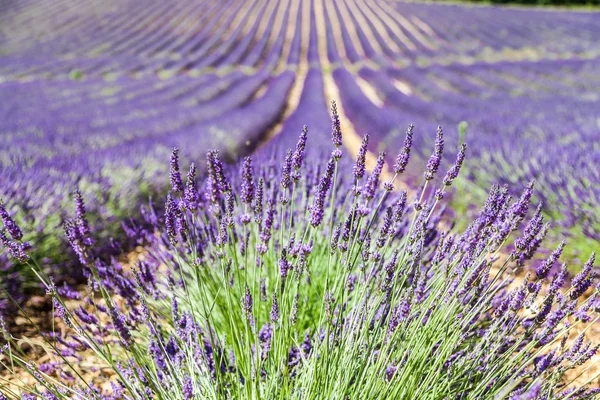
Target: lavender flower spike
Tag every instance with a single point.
(190, 194)
(336, 131)
(175, 175)
(436, 157)
(11, 226)
(453, 172)
(247, 189)
(274, 310)
(298, 156)
(404, 155)
(373, 182)
(360, 165)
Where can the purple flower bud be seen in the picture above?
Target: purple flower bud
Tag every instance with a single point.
(286, 170)
(298, 156)
(175, 175)
(274, 309)
(404, 155)
(317, 209)
(265, 336)
(583, 280)
(16, 250)
(359, 168)
(284, 266)
(294, 312)
(170, 219)
(373, 181)
(385, 227)
(81, 219)
(120, 325)
(452, 173)
(188, 388)
(258, 203)
(336, 131)
(11, 226)
(436, 157)
(542, 271)
(247, 189)
(390, 372)
(247, 306)
(190, 194)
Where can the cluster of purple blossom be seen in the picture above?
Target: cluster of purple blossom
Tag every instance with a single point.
(281, 278)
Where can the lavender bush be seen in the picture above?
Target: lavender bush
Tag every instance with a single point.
(282, 278)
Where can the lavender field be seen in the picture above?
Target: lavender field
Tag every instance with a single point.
(94, 96)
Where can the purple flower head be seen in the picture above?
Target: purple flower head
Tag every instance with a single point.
(217, 182)
(274, 309)
(373, 181)
(298, 156)
(9, 224)
(294, 311)
(317, 209)
(171, 219)
(188, 388)
(175, 175)
(284, 265)
(404, 155)
(359, 168)
(390, 372)
(583, 280)
(336, 131)
(542, 271)
(81, 218)
(258, 203)
(265, 336)
(190, 194)
(452, 173)
(247, 305)
(16, 249)
(120, 325)
(436, 157)
(286, 170)
(247, 189)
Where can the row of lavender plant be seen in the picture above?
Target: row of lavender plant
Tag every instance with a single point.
(289, 278)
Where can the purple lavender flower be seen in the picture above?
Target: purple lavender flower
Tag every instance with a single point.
(190, 194)
(175, 175)
(188, 388)
(436, 157)
(265, 336)
(404, 155)
(274, 309)
(373, 181)
(247, 306)
(286, 170)
(16, 250)
(171, 219)
(583, 280)
(298, 156)
(390, 371)
(542, 271)
(317, 209)
(9, 223)
(336, 131)
(359, 168)
(120, 325)
(452, 173)
(247, 189)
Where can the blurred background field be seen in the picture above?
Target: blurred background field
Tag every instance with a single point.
(95, 94)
